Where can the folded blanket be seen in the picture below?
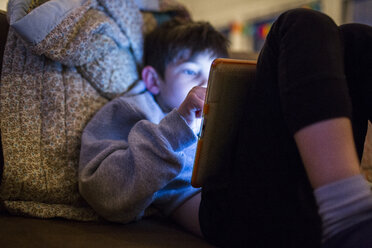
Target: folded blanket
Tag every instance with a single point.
(63, 60)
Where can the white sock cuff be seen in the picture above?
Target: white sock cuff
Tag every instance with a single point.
(343, 204)
(350, 186)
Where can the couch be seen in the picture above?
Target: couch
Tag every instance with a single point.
(24, 231)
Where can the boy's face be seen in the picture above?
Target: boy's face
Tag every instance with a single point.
(181, 77)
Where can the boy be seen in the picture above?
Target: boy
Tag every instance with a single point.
(137, 152)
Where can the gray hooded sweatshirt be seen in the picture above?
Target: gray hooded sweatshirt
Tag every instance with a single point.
(135, 159)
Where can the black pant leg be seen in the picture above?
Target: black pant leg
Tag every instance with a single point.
(311, 77)
(357, 42)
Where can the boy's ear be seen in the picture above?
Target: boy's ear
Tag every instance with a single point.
(151, 79)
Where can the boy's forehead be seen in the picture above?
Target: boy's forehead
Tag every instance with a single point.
(185, 56)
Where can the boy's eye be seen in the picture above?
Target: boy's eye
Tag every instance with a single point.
(189, 72)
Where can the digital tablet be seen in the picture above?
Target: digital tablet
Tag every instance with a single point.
(228, 84)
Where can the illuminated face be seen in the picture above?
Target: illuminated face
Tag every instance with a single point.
(180, 78)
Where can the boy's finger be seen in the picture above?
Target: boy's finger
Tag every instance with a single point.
(199, 91)
(197, 99)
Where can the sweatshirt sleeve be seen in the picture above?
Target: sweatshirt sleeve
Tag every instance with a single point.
(125, 159)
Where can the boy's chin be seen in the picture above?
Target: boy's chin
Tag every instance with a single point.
(164, 107)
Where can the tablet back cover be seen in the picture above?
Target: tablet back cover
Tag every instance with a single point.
(229, 82)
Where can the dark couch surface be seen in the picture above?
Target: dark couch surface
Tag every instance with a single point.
(31, 232)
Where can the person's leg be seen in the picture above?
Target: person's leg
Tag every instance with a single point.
(357, 40)
(187, 214)
(327, 145)
(300, 82)
(346, 204)
(328, 151)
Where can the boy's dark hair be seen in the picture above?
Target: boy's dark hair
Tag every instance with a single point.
(180, 39)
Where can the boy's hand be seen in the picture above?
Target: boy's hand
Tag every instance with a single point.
(191, 108)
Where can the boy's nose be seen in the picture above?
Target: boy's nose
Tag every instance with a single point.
(204, 82)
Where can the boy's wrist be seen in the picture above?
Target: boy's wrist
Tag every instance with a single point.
(177, 131)
(186, 117)
(194, 125)
(180, 114)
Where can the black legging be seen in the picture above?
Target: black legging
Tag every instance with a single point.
(309, 70)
